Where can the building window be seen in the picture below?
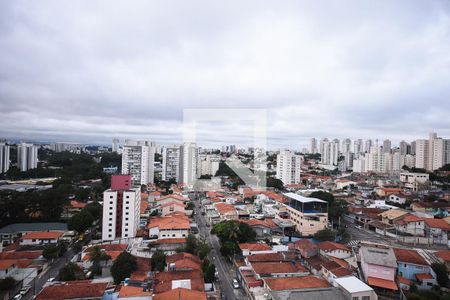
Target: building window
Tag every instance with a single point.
(110, 197)
(127, 213)
(355, 298)
(365, 297)
(127, 202)
(126, 224)
(109, 235)
(110, 213)
(110, 219)
(110, 230)
(126, 235)
(126, 219)
(111, 202)
(128, 197)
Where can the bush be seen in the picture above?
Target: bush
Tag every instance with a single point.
(123, 266)
(7, 283)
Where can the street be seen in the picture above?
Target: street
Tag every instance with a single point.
(223, 267)
(50, 272)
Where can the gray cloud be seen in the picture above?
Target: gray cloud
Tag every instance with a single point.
(91, 70)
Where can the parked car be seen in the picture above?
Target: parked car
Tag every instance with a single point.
(17, 297)
(24, 290)
(235, 283)
(51, 279)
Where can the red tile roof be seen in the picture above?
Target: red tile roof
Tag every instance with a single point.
(444, 255)
(169, 222)
(437, 223)
(173, 196)
(304, 244)
(7, 263)
(266, 257)
(341, 272)
(163, 280)
(224, 208)
(277, 267)
(290, 283)
(255, 246)
(133, 291)
(42, 235)
(382, 283)
(169, 241)
(424, 276)
(331, 246)
(77, 204)
(269, 223)
(73, 290)
(21, 254)
(404, 280)
(181, 294)
(409, 256)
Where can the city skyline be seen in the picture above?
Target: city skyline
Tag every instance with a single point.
(357, 70)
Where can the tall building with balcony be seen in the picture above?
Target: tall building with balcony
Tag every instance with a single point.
(4, 158)
(288, 167)
(430, 154)
(309, 214)
(121, 209)
(189, 158)
(313, 146)
(115, 145)
(138, 161)
(27, 156)
(171, 163)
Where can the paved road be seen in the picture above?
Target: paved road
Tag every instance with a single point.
(50, 272)
(223, 267)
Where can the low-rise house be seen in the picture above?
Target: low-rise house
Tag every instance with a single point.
(334, 249)
(438, 208)
(278, 269)
(172, 207)
(386, 191)
(76, 290)
(169, 198)
(410, 264)
(263, 228)
(13, 232)
(437, 230)
(181, 293)
(410, 224)
(355, 289)
(7, 267)
(134, 293)
(170, 280)
(41, 238)
(390, 216)
(175, 225)
(305, 247)
(183, 261)
(226, 211)
(397, 198)
(255, 248)
(379, 266)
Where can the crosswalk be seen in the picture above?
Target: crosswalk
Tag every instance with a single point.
(355, 243)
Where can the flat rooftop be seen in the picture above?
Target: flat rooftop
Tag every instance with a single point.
(303, 199)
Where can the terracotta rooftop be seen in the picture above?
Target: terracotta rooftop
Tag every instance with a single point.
(408, 218)
(224, 208)
(169, 222)
(304, 244)
(382, 283)
(423, 276)
(182, 256)
(437, 223)
(163, 280)
(444, 255)
(171, 196)
(266, 257)
(331, 246)
(255, 246)
(181, 294)
(73, 290)
(409, 256)
(291, 283)
(277, 267)
(404, 280)
(132, 291)
(109, 247)
(168, 241)
(42, 235)
(77, 204)
(341, 272)
(21, 254)
(269, 223)
(7, 263)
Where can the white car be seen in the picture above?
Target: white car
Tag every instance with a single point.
(24, 290)
(51, 279)
(17, 297)
(235, 283)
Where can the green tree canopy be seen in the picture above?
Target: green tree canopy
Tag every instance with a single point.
(441, 273)
(81, 221)
(123, 266)
(325, 235)
(7, 283)
(71, 271)
(158, 261)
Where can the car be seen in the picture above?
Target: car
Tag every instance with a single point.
(24, 290)
(51, 279)
(235, 283)
(18, 297)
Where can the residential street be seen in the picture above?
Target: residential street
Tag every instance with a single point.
(223, 267)
(52, 271)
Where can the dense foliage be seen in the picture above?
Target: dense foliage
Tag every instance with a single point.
(325, 235)
(441, 273)
(230, 233)
(71, 271)
(158, 261)
(123, 266)
(7, 283)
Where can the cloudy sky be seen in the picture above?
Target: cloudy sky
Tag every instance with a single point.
(88, 71)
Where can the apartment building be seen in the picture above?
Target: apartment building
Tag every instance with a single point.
(27, 156)
(121, 209)
(138, 161)
(171, 163)
(288, 167)
(4, 158)
(309, 214)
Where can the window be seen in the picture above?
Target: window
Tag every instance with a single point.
(127, 202)
(126, 224)
(111, 202)
(355, 298)
(128, 197)
(110, 213)
(126, 219)
(126, 235)
(110, 224)
(109, 235)
(365, 297)
(110, 219)
(110, 197)
(110, 230)
(127, 213)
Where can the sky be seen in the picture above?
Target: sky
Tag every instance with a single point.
(90, 71)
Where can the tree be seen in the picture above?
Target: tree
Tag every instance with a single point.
(158, 261)
(97, 256)
(7, 283)
(81, 221)
(51, 252)
(228, 248)
(275, 183)
(71, 271)
(95, 209)
(323, 196)
(441, 273)
(208, 270)
(325, 235)
(123, 266)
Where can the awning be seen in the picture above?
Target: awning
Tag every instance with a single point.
(382, 283)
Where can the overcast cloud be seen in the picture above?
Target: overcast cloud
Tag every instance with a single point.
(88, 71)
